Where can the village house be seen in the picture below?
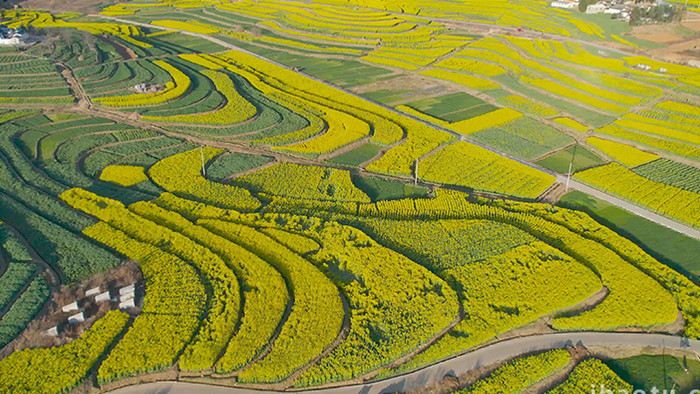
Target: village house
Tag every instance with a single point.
(10, 36)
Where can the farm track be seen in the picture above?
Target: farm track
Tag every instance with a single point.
(647, 214)
(4, 264)
(492, 354)
(19, 293)
(54, 279)
(76, 87)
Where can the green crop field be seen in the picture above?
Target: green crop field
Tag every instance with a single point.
(667, 245)
(321, 194)
(357, 156)
(453, 107)
(662, 372)
(559, 161)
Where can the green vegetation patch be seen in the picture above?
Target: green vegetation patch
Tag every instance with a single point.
(672, 248)
(12, 246)
(358, 155)
(388, 97)
(383, 189)
(184, 43)
(13, 280)
(671, 173)
(445, 244)
(471, 112)
(234, 163)
(345, 73)
(663, 372)
(453, 107)
(62, 117)
(559, 161)
(23, 310)
(525, 138)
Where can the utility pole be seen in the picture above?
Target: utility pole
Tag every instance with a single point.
(201, 151)
(415, 176)
(571, 166)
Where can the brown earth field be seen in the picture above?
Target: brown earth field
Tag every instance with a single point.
(682, 41)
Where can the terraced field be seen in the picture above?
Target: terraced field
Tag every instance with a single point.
(286, 232)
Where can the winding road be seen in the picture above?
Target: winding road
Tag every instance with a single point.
(635, 209)
(495, 353)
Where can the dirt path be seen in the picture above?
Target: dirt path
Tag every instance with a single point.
(54, 280)
(76, 87)
(19, 293)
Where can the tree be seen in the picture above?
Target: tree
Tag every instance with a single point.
(583, 4)
(636, 17)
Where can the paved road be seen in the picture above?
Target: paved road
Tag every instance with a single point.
(488, 355)
(637, 210)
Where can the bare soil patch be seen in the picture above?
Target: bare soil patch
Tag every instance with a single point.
(692, 21)
(161, 376)
(428, 87)
(125, 52)
(662, 34)
(680, 47)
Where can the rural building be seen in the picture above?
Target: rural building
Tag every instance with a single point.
(127, 289)
(595, 8)
(77, 318)
(145, 88)
(564, 4)
(52, 332)
(130, 303)
(127, 296)
(103, 297)
(92, 292)
(10, 36)
(70, 307)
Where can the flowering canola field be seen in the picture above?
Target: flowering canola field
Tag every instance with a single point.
(297, 221)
